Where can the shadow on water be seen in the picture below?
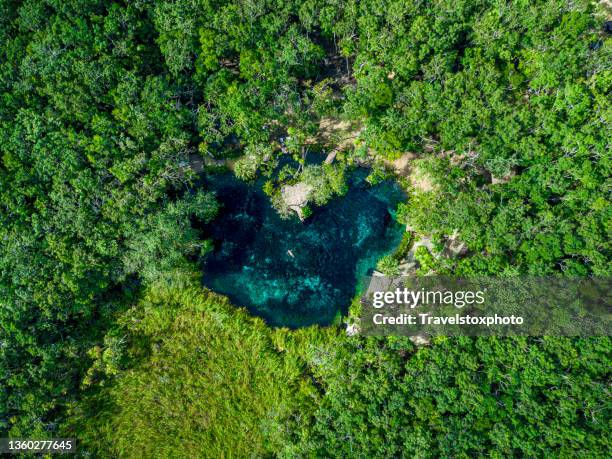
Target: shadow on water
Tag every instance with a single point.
(252, 262)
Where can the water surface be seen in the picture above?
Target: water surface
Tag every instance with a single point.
(253, 264)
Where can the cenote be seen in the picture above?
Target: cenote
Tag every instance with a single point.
(295, 273)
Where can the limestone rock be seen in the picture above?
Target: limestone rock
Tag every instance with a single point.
(352, 330)
(296, 196)
(420, 340)
(505, 179)
(331, 156)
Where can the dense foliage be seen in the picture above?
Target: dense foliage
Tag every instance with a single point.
(107, 108)
(463, 397)
(185, 368)
(95, 142)
(526, 102)
(195, 375)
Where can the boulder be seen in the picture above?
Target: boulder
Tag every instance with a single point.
(352, 330)
(296, 196)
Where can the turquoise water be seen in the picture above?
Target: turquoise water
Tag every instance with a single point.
(331, 250)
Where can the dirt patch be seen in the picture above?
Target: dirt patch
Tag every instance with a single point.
(402, 165)
(338, 135)
(407, 165)
(420, 180)
(504, 179)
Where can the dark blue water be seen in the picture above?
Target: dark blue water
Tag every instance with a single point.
(332, 249)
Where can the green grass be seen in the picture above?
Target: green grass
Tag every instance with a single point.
(202, 379)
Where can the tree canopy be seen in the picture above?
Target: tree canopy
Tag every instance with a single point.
(111, 113)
